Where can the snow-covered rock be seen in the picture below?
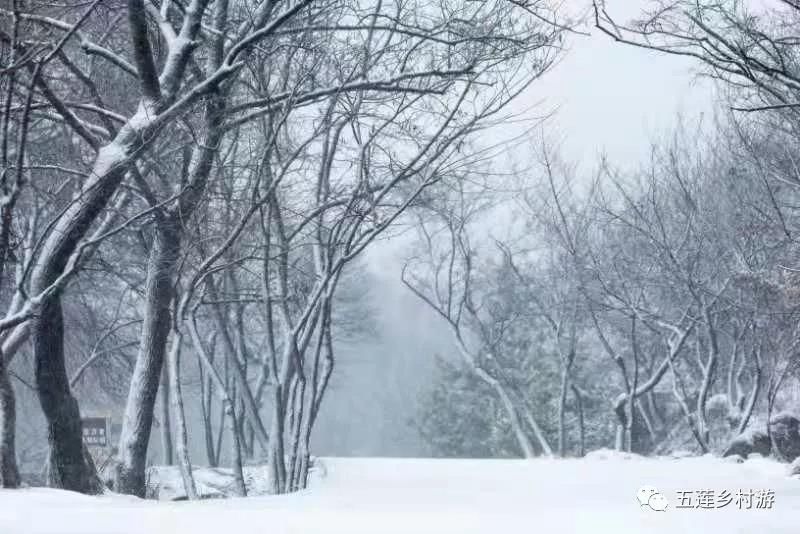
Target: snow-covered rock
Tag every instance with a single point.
(749, 442)
(785, 430)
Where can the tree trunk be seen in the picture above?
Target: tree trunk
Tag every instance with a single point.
(298, 407)
(251, 411)
(301, 446)
(622, 419)
(276, 462)
(228, 401)
(679, 391)
(581, 423)
(9, 474)
(562, 403)
(321, 373)
(205, 413)
(176, 400)
(523, 440)
(68, 467)
(709, 376)
(166, 427)
(138, 419)
(751, 404)
(631, 429)
(236, 453)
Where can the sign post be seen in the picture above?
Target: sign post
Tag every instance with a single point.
(95, 431)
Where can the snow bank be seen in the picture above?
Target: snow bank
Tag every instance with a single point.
(164, 483)
(596, 495)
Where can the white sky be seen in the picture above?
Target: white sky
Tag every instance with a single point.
(616, 99)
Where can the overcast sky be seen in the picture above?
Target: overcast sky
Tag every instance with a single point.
(615, 98)
(609, 99)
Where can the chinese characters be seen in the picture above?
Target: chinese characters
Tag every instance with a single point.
(749, 499)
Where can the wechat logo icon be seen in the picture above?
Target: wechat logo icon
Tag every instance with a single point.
(649, 497)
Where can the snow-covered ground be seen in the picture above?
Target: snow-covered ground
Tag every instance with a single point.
(596, 495)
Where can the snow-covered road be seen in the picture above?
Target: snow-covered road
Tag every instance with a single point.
(596, 495)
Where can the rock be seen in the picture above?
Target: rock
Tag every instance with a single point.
(750, 441)
(785, 430)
